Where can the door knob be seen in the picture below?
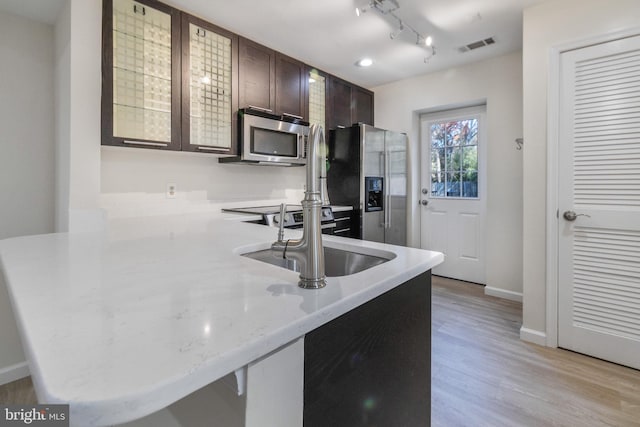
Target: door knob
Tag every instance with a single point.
(424, 202)
(571, 215)
(425, 191)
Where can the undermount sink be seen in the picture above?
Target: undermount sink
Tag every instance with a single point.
(337, 262)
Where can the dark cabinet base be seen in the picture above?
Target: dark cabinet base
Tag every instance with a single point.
(372, 365)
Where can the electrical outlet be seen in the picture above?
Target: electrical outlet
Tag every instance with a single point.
(172, 190)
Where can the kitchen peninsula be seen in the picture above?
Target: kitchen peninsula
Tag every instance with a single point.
(124, 322)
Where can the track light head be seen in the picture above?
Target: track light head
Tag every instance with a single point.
(363, 9)
(395, 33)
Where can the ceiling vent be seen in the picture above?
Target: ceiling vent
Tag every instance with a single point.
(476, 45)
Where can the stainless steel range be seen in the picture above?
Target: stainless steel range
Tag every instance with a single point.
(292, 217)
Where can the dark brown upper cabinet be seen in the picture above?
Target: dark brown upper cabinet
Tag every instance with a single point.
(271, 81)
(339, 105)
(141, 74)
(348, 104)
(291, 87)
(169, 79)
(173, 81)
(209, 87)
(256, 75)
(363, 105)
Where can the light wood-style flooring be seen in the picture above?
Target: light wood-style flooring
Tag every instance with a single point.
(483, 375)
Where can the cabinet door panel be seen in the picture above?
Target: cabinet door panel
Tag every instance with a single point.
(141, 74)
(372, 365)
(339, 113)
(256, 75)
(317, 95)
(291, 86)
(208, 87)
(363, 106)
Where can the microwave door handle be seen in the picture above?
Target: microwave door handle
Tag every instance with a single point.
(266, 110)
(293, 116)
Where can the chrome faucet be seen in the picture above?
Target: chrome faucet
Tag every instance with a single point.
(308, 251)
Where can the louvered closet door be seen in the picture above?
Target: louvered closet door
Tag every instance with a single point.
(599, 180)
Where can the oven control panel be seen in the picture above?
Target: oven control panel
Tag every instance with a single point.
(295, 219)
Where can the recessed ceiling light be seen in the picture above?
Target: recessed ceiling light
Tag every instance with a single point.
(364, 62)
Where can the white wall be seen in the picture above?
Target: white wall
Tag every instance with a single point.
(497, 81)
(27, 147)
(550, 24)
(128, 173)
(62, 84)
(83, 116)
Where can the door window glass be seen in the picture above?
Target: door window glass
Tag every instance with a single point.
(454, 158)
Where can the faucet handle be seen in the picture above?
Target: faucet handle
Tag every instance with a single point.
(283, 211)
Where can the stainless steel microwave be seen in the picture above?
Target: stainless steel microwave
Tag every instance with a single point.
(268, 139)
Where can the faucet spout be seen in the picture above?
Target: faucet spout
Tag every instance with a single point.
(309, 250)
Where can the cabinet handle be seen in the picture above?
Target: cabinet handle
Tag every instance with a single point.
(135, 10)
(151, 144)
(200, 32)
(292, 116)
(212, 148)
(266, 110)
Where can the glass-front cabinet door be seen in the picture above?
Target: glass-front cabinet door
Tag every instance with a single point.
(317, 99)
(141, 75)
(209, 87)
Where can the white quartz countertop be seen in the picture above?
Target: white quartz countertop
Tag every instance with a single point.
(124, 322)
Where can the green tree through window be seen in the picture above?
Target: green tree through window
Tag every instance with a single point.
(454, 158)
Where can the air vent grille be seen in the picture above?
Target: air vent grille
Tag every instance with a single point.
(476, 45)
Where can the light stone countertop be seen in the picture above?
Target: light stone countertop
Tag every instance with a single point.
(124, 322)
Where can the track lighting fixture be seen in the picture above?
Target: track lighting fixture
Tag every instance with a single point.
(388, 8)
(395, 33)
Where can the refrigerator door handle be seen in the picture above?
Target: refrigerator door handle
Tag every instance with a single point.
(387, 195)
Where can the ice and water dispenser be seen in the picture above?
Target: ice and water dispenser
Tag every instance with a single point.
(374, 193)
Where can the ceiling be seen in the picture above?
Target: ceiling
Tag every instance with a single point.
(329, 35)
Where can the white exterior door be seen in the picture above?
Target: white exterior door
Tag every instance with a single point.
(599, 201)
(454, 191)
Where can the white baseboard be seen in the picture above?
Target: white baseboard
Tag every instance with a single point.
(501, 293)
(14, 372)
(531, 335)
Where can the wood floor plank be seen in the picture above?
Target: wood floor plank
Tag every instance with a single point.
(484, 375)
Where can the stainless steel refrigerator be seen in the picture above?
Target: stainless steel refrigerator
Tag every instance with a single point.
(367, 169)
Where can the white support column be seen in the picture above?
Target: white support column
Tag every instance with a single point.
(275, 388)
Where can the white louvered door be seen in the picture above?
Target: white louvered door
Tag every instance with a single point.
(599, 180)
